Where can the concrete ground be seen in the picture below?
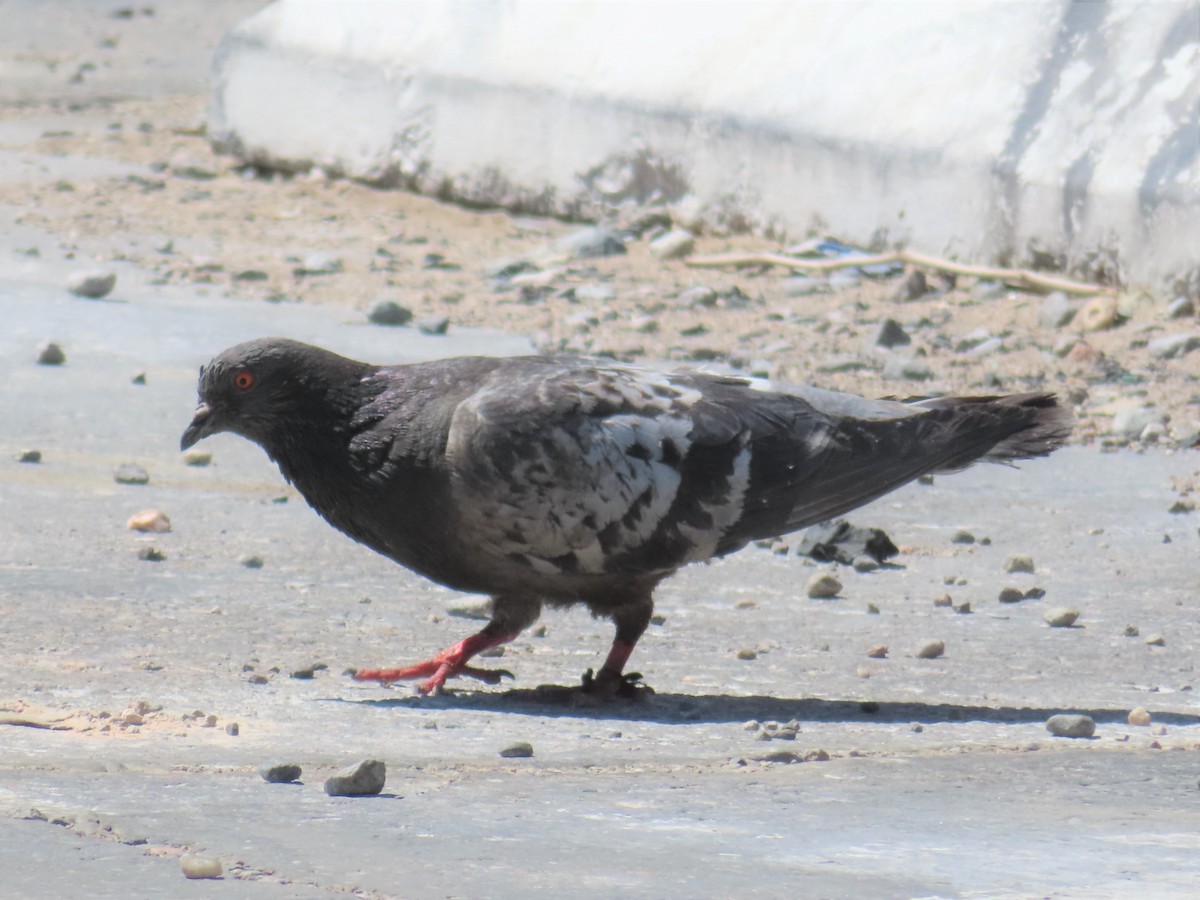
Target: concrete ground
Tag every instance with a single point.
(940, 781)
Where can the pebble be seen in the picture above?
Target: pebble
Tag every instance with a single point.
(872, 609)
(675, 244)
(1181, 308)
(891, 334)
(320, 263)
(1056, 311)
(901, 368)
(28, 456)
(1130, 422)
(778, 756)
(962, 536)
(139, 378)
(701, 296)
(252, 562)
(1139, 716)
(199, 866)
(1019, 563)
(1156, 640)
(517, 750)
(1011, 595)
(864, 564)
(988, 290)
(151, 554)
(963, 609)
(50, 354)
(1173, 345)
(197, 458)
(130, 473)
(1098, 314)
(434, 325)
(804, 286)
(879, 651)
(232, 729)
(1071, 725)
(944, 600)
(154, 521)
(192, 167)
(823, 586)
(93, 285)
(1061, 617)
(914, 286)
(389, 312)
(360, 780)
(590, 243)
(280, 773)
(931, 650)
(747, 653)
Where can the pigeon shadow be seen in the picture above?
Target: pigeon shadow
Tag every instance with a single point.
(679, 709)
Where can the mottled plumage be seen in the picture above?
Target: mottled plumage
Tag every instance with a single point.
(562, 480)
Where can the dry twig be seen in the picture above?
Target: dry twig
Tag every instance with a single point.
(1021, 278)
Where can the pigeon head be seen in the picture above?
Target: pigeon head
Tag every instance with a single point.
(263, 389)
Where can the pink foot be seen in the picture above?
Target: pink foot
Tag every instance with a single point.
(450, 662)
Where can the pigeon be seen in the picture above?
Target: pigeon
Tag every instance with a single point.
(558, 480)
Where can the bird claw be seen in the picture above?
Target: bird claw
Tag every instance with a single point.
(595, 689)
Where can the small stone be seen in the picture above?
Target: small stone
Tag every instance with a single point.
(197, 458)
(864, 564)
(92, 285)
(320, 263)
(916, 727)
(192, 167)
(1130, 631)
(305, 674)
(1061, 617)
(931, 650)
(517, 750)
(751, 725)
(139, 378)
(963, 609)
(1181, 308)
(891, 334)
(151, 554)
(1139, 716)
(194, 866)
(251, 562)
(258, 679)
(50, 354)
(1071, 725)
(1098, 314)
(590, 243)
(747, 653)
(1173, 346)
(1011, 595)
(131, 717)
(1019, 563)
(823, 586)
(675, 244)
(901, 368)
(154, 521)
(656, 619)
(879, 651)
(435, 326)
(988, 290)
(1056, 311)
(1156, 640)
(28, 456)
(944, 600)
(962, 537)
(699, 297)
(1131, 422)
(914, 286)
(872, 609)
(778, 756)
(1034, 593)
(232, 729)
(816, 756)
(251, 275)
(280, 773)
(130, 473)
(389, 312)
(360, 780)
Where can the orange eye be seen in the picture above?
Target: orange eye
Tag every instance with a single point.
(243, 380)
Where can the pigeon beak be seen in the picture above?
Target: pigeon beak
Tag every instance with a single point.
(201, 427)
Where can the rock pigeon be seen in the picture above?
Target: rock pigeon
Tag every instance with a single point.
(547, 480)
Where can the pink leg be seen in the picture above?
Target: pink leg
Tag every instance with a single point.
(614, 663)
(450, 662)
